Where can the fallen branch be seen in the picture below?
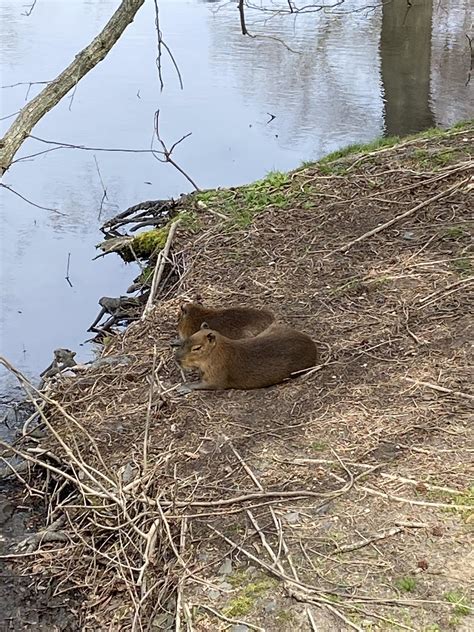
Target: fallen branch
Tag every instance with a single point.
(159, 267)
(50, 96)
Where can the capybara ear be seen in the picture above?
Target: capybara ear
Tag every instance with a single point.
(204, 325)
(211, 336)
(198, 299)
(184, 308)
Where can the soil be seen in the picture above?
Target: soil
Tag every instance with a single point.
(341, 499)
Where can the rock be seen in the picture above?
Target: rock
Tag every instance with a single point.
(112, 361)
(213, 594)
(270, 606)
(240, 627)
(6, 510)
(225, 586)
(293, 517)
(226, 567)
(162, 622)
(409, 235)
(128, 473)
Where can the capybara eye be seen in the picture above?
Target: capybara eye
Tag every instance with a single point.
(196, 348)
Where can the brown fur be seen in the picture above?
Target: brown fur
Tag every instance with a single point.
(232, 322)
(256, 362)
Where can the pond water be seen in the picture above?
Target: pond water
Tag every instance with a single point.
(355, 74)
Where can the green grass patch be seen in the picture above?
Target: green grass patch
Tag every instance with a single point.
(406, 584)
(463, 265)
(316, 446)
(463, 124)
(431, 159)
(467, 499)
(460, 601)
(241, 205)
(454, 233)
(189, 219)
(358, 148)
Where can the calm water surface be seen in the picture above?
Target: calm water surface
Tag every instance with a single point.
(355, 76)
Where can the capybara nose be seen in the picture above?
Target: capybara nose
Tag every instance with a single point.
(176, 342)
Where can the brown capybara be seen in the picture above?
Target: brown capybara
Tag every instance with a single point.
(231, 322)
(247, 363)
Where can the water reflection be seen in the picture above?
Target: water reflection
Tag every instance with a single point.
(356, 75)
(452, 97)
(405, 47)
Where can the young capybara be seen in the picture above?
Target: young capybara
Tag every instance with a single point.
(248, 363)
(231, 322)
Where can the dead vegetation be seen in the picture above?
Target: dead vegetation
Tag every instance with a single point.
(340, 500)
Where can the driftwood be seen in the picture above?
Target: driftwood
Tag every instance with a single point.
(121, 308)
(50, 96)
(150, 213)
(63, 358)
(159, 268)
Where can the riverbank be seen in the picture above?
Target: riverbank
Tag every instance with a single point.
(341, 499)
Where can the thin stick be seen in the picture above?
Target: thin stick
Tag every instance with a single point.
(366, 541)
(311, 619)
(416, 208)
(441, 389)
(148, 411)
(67, 269)
(343, 618)
(159, 267)
(179, 588)
(391, 477)
(446, 291)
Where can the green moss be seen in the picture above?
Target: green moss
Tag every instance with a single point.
(460, 601)
(239, 606)
(316, 446)
(146, 244)
(238, 578)
(243, 602)
(406, 584)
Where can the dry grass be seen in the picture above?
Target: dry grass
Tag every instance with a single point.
(342, 495)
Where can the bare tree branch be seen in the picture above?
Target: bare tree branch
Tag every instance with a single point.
(43, 208)
(50, 96)
(167, 152)
(162, 44)
(29, 11)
